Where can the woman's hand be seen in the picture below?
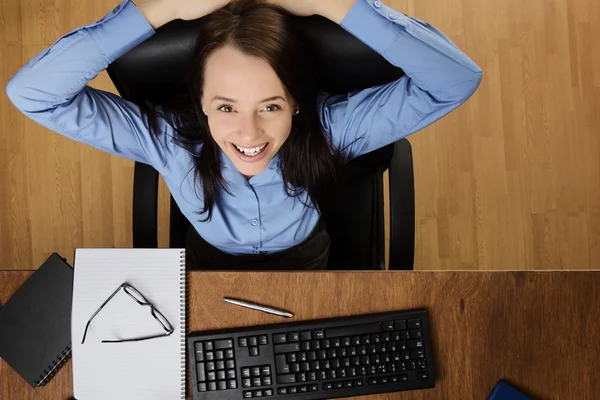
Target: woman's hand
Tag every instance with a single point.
(194, 9)
(334, 10)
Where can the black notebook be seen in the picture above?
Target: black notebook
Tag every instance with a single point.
(35, 323)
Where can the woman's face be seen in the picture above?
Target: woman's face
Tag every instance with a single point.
(249, 111)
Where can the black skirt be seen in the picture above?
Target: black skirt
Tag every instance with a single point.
(311, 254)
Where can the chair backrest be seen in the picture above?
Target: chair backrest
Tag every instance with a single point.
(154, 70)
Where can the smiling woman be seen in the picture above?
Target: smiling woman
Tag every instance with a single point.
(253, 74)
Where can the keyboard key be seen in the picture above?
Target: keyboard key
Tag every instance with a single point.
(293, 337)
(292, 390)
(199, 351)
(375, 338)
(337, 385)
(243, 342)
(229, 353)
(281, 364)
(265, 370)
(421, 364)
(288, 378)
(302, 389)
(414, 354)
(400, 324)
(373, 381)
(415, 334)
(325, 344)
(310, 356)
(257, 393)
(263, 340)
(222, 385)
(219, 354)
(347, 384)
(336, 343)
(224, 344)
(268, 392)
(414, 323)
(319, 334)
(346, 341)
(230, 374)
(357, 383)
(350, 330)
(256, 382)
(394, 379)
(327, 386)
(245, 372)
(313, 388)
(422, 375)
(230, 364)
(202, 387)
(388, 326)
(404, 335)
(385, 337)
(220, 364)
(355, 340)
(365, 339)
(209, 355)
(221, 375)
(404, 355)
(212, 386)
(286, 348)
(311, 376)
(231, 384)
(282, 390)
(395, 336)
(200, 372)
(247, 394)
(295, 367)
(266, 381)
(246, 383)
(279, 338)
(412, 365)
(252, 341)
(211, 376)
(305, 335)
(415, 344)
(255, 371)
(301, 377)
(403, 378)
(254, 351)
(291, 358)
(208, 346)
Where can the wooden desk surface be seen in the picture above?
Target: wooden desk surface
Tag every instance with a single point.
(539, 330)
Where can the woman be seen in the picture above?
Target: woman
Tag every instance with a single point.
(264, 145)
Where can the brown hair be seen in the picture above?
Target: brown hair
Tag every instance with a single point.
(308, 161)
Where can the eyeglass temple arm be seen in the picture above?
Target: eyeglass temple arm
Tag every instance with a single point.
(98, 310)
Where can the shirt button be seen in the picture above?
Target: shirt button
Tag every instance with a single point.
(254, 222)
(377, 4)
(255, 251)
(392, 16)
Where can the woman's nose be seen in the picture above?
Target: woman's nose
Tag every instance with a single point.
(250, 129)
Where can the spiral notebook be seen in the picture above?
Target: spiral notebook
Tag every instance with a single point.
(35, 337)
(147, 369)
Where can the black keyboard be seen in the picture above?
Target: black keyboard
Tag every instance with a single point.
(318, 359)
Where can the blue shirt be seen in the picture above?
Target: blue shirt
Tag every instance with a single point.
(258, 217)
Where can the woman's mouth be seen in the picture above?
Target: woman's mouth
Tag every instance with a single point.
(250, 151)
(250, 154)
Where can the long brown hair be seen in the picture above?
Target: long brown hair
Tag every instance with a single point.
(307, 158)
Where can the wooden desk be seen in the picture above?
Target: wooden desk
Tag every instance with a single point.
(538, 330)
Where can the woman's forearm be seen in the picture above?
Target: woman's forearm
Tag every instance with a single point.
(157, 12)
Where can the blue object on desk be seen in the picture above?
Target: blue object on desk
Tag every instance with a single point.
(502, 391)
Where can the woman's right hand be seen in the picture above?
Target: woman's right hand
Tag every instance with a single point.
(194, 9)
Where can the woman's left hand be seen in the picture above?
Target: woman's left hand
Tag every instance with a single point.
(334, 10)
(302, 8)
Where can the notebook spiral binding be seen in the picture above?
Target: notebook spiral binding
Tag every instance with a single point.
(184, 295)
(54, 366)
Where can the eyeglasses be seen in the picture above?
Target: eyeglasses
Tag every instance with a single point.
(141, 300)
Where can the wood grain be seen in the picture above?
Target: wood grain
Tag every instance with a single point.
(511, 179)
(538, 330)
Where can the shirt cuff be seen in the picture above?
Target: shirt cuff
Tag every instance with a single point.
(374, 24)
(120, 30)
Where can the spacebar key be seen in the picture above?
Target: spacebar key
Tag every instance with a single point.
(353, 330)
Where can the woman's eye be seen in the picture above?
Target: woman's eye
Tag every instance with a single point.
(273, 107)
(225, 108)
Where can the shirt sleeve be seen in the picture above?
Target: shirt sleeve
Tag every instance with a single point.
(439, 78)
(52, 89)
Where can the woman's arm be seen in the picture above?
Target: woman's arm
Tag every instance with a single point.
(439, 78)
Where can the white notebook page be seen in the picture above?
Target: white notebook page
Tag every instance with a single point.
(149, 369)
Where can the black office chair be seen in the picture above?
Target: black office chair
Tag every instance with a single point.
(154, 70)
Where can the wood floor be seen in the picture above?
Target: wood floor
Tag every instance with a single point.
(510, 180)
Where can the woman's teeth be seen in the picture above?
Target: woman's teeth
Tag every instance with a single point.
(252, 151)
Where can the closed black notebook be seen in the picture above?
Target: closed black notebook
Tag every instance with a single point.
(35, 323)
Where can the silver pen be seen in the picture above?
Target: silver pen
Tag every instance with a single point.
(254, 306)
